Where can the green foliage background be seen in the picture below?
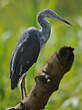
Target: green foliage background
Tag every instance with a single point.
(17, 15)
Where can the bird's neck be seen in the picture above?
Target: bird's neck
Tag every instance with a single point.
(45, 30)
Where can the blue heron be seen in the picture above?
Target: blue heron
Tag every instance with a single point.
(28, 48)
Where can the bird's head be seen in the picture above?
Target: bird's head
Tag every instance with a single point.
(47, 13)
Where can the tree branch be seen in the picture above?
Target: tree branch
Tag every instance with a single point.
(48, 81)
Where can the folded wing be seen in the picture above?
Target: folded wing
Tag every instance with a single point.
(24, 56)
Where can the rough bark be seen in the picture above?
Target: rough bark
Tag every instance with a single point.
(48, 80)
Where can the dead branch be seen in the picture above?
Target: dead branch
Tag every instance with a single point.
(48, 81)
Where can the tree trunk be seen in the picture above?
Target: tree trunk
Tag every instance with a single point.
(48, 80)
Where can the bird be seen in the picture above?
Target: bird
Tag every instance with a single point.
(29, 46)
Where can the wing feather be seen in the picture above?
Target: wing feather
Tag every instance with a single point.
(24, 56)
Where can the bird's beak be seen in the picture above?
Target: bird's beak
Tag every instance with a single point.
(61, 19)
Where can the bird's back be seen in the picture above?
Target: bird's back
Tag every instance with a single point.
(24, 56)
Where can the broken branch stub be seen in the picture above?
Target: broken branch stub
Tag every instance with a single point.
(48, 81)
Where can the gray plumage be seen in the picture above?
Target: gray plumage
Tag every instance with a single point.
(25, 54)
(29, 46)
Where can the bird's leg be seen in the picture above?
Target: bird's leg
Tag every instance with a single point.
(24, 86)
(23, 89)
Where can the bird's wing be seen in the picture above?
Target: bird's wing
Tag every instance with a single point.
(24, 56)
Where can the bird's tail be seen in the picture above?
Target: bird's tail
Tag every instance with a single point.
(14, 82)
